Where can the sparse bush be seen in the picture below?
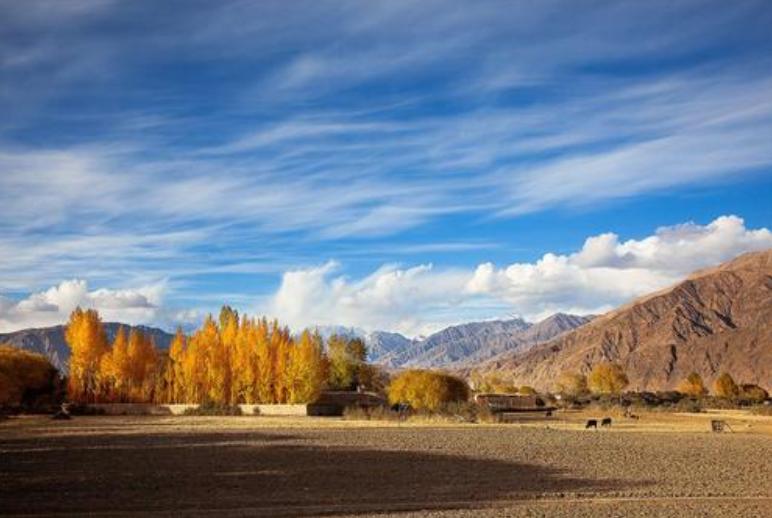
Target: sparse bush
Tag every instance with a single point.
(753, 394)
(377, 413)
(692, 386)
(427, 390)
(525, 390)
(571, 384)
(607, 378)
(492, 383)
(455, 412)
(689, 405)
(211, 408)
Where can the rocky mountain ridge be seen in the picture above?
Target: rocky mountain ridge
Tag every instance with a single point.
(716, 320)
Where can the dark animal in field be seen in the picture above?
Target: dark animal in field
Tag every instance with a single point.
(606, 422)
(591, 423)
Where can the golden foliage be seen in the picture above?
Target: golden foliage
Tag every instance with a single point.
(692, 386)
(753, 393)
(88, 344)
(226, 362)
(725, 387)
(426, 390)
(23, 373)
(494, 383)
(607, 378)
(571, 384)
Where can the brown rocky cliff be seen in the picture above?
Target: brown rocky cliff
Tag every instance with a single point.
(716, 320)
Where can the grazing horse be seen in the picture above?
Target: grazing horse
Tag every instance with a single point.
(606, 422)
(591, 423)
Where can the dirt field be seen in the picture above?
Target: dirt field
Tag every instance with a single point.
(247, 466)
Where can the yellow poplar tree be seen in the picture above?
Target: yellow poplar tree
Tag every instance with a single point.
(115, 367)
(175, 371)
(726, 387)
(607, 378)
(88, 343)
(307, 370)
(692, 385)
(263, 363)
(571, 384)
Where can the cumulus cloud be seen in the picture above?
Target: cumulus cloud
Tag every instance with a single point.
(604, 273)
(389, 298)
(54, 305)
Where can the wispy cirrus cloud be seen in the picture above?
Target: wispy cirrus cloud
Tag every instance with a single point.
(179, 141)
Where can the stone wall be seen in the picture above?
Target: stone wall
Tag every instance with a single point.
(163, 409)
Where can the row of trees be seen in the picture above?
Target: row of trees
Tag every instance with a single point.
(724, 387)
(227, 361)
(605, 378)
(610, 378)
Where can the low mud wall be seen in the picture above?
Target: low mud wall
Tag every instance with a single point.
(163, 409)
(139, 409)
(275, 410)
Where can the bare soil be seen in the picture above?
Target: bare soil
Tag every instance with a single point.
(258, 466)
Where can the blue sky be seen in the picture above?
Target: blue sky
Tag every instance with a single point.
(400, 165)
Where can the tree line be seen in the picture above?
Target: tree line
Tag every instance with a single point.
(610, 378)
(227, 361)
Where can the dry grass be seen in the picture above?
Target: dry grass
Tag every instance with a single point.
(667, 465)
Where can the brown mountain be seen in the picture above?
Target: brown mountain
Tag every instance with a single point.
(50, 342)
(469, 344)
(716, 320)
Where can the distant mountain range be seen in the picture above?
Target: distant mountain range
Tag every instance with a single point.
(50, 342)
(461, 345)
(452, 347)
(717, 320)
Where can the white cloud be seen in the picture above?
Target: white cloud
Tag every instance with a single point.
(54, 305)
(416, 300)
(390, 298)
(602, 275)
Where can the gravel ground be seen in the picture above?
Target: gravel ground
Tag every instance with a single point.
(245, 467)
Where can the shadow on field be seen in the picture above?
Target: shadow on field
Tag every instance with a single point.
(255, 474)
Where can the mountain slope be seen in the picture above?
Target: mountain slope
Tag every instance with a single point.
(716, 320)
(383, 344)
(474, 342)
(50, 342)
